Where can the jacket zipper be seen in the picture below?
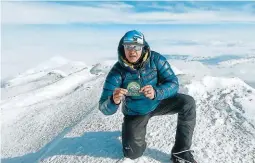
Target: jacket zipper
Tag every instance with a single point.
(140, 78)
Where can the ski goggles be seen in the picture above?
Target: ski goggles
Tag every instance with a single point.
(133, 47)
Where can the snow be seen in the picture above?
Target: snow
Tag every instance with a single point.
(59, 121)
(227, 119)
(242, 68)
(102, 67)
(43, 75)
(193, 68)
(57, 65)
(236, 94)
(238, 61)
(55, 61)
(176, 70)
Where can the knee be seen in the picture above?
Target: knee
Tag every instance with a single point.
(189, 107)
(190, 101)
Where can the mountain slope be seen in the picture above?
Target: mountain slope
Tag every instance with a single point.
(69, 127)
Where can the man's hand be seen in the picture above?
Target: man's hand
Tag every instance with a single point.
(118, 94)
(148, 91)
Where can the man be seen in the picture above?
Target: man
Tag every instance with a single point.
(143, 81)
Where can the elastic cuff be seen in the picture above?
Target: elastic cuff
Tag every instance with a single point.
(159, 94)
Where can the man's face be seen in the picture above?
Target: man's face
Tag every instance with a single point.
(133, 52)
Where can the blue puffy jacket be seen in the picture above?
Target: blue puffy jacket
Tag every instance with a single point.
(154, 70)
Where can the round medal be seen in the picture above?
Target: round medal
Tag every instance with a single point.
(133, 89)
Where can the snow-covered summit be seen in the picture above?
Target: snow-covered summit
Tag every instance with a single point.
(102, 67)
(60, 122)
(56, 65)
(236, 94)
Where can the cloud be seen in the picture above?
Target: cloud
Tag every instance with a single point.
(23, 48)
(54, 13)
(122, 13)
(41, 42)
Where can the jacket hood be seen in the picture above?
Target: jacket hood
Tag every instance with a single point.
(124, 62)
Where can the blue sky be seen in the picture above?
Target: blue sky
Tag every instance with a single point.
(177, 12)
(33, 32)
(173, 6)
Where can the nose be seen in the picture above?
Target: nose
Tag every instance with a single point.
(132, 51)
